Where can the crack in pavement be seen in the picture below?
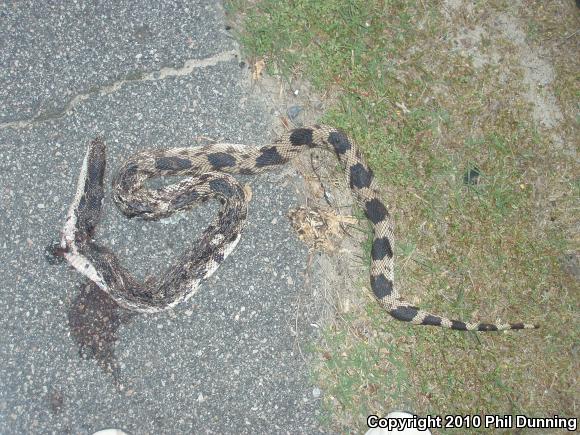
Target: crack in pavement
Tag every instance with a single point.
(163, 73)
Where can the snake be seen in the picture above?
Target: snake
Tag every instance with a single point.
(207, 173)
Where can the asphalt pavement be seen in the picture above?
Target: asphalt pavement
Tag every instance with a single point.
(141, 75)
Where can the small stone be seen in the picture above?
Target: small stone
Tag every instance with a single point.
(316, 392)
(293, 112)
(471, 176)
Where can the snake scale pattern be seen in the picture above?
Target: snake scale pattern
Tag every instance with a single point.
(207, 172)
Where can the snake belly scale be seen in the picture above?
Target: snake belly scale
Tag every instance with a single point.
(207, 174)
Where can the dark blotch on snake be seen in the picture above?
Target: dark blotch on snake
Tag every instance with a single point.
(360, 176)
(90, 204)
(95, 172)
(128, 175)
(375, 210)
(204, 177)
(301, 136)
(456, 324)
(94, 204)
(172, 163)
(96, 169)
(221, 160)
(270, 156)
(381, 286)
(486, 327)
(183, 199)
(89, 208)
(134, 208)
(223, 187)
(431, 320)
(340, 142)
(517, 325)
(139, 292)
(381, 248)
(230, 216)
(404, 313)
(246, 171)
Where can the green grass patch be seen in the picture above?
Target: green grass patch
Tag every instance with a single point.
(488, 247)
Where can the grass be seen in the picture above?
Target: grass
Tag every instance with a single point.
(424, 116)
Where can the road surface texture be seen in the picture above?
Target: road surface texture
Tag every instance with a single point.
(159, 74)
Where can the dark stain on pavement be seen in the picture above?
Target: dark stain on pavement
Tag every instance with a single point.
(94, 319)
(55, 401)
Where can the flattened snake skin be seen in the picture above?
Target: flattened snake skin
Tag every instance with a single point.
(207, 172)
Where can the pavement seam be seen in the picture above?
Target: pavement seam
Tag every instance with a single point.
(166, 72)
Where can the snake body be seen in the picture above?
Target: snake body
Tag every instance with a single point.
(207, 172)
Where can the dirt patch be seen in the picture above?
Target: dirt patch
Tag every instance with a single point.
(533, 49)
(486, 43)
